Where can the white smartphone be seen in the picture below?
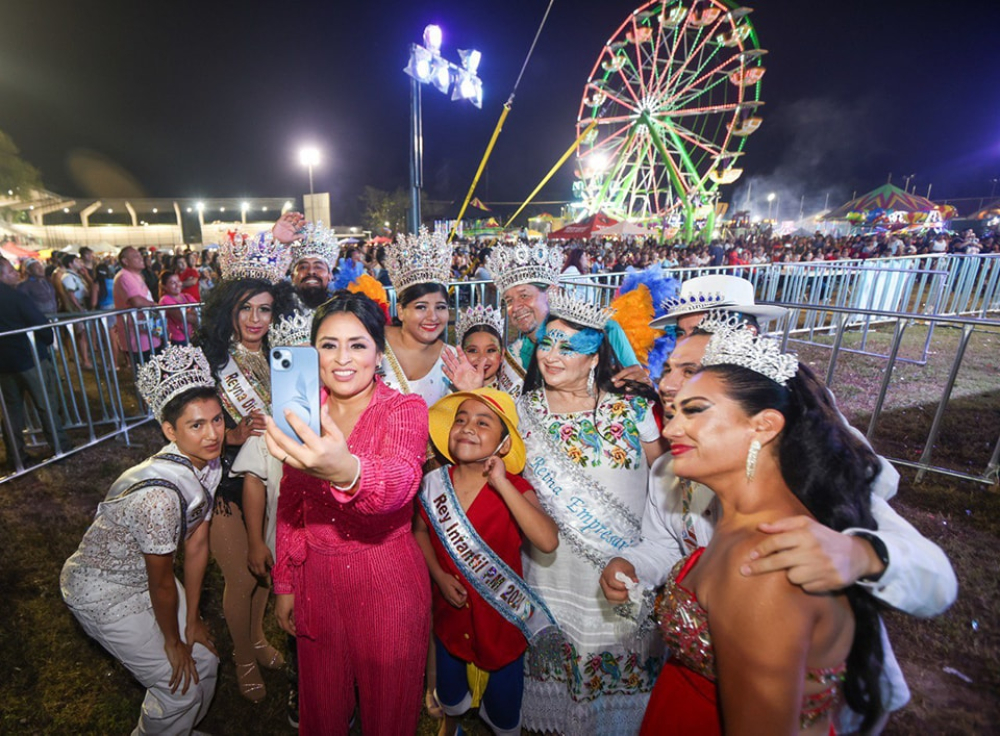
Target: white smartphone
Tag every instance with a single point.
(295, 386)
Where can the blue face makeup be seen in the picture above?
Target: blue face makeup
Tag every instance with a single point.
(584, 342)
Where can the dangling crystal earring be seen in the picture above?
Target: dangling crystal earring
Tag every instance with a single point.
(752, 459)
(591, 381)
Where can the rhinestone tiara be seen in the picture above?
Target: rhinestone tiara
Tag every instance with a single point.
(584, 313)
(698, 302)
(292, 329)
(171, 373)
(478, 315)
(253, 257)
(418, 259)
(720, 319)
(318, 242)
(513, 265)
(743, 347)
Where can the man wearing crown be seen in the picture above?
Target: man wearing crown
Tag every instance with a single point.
(895, 563)
(120, 583)
(314, 253)
(523, 275)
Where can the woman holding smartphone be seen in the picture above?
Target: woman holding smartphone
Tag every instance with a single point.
(234, 337)
(351, 583)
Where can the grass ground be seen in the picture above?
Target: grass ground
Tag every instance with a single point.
(57, 681)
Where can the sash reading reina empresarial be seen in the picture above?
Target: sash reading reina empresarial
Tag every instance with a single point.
(492, 578)
(596, 524)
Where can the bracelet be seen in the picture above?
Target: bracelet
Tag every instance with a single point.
(349, 486)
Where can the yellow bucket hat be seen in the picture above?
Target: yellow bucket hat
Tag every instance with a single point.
(442, 417)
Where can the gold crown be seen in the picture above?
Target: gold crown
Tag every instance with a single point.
(172, 372)
(478, 315)
(253, 257)
(513, 265)
(418, 259)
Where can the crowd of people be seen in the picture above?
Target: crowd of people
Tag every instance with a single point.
(527, 526)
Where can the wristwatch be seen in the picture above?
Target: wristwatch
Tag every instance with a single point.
(878, 546)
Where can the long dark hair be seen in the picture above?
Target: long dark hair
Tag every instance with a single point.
(488, 329)
(830, 470)
(415, 291)
(607, 367)
(361, 306)
(574, 258)
(218, 322)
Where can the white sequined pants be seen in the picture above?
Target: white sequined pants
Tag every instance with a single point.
(137, 642)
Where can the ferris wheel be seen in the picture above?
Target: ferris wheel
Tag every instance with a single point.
(674, 93)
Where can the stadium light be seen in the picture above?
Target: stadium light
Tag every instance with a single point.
(427, 66)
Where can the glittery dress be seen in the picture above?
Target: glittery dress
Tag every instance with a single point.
(685, 697)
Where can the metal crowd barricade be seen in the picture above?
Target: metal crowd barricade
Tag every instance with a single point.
(828, 299)
(91, 405)
(902, 321)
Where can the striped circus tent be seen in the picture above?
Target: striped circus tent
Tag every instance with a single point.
(887, 197)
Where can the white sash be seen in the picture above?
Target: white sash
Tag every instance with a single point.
(596, 524)
(491, 577)
(238, 395)
(514, 362)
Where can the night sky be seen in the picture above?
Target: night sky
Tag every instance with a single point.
(214, 99)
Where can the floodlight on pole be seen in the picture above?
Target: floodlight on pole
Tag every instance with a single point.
(309, 157)
(770, 201)
(427, 66)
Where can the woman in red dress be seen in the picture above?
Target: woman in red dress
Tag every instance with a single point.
(760, 654)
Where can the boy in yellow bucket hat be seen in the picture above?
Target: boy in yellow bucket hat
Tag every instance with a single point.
(471, 518)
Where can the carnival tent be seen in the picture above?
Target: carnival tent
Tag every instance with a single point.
(13, 251)
(583, 229)
(988, 212)
(886, 197)
(624, 229)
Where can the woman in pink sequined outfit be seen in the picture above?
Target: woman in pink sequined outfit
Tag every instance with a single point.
(351, 583)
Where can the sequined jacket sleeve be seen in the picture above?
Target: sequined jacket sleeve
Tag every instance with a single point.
(391, 454)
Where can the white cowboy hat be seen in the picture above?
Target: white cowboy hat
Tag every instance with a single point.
(713, 292)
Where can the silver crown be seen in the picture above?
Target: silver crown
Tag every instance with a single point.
(721, 319)
(418, 259)
(743, 347)
(172, 372)
(513, 265)
(293, 329)
(318, 242)
(478, 315)
(254, 257)
(583, 313)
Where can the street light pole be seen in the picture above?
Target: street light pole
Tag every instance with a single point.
(427, 66)
(416, 154)
(309, 157)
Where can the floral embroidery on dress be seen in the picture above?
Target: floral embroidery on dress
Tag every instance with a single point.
(612, 441)
(599, 673)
